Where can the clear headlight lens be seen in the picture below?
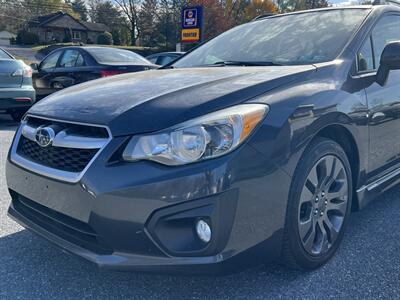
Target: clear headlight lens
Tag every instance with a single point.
(202, 138)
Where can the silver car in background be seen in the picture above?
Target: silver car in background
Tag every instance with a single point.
(16, 91)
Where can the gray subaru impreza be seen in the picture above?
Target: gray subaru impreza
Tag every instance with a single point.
(253, 147)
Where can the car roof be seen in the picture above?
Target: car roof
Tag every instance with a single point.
(167, 53)
(383, 7)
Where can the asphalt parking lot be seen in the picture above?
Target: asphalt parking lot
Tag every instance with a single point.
(366, 266)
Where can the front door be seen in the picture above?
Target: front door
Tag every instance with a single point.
(383, 101)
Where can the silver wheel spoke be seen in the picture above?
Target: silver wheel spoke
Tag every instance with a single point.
(309, 242)
(340, 194)
(324, 244)
(338, 206)
(331, 229)
(305, 228)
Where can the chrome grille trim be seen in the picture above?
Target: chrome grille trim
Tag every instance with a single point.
(64, 140)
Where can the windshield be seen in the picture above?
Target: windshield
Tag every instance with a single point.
(110, 55)
(303, 38)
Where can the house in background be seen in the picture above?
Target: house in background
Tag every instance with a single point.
(5, 38)
(62, 27)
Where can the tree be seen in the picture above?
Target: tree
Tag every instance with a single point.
(310, 4)
(44, 7)
(79, 7)
(130, 10)
(147, 23)
(259, 7)
(105, 39)
(108, 14)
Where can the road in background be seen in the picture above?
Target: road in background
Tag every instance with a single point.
(366, 266)
(27, 54)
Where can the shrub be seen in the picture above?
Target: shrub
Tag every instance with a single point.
(105, 39)
(27, 38)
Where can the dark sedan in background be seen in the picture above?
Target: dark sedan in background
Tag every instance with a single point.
(164, 58)
(16, 91)
(73, 65)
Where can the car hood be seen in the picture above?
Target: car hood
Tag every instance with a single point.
(154, 100)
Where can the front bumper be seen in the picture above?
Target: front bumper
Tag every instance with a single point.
(16, 98)
(140, 216)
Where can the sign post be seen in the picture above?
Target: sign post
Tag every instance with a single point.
(192, 18)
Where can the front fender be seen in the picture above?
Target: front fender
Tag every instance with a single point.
(300, 112)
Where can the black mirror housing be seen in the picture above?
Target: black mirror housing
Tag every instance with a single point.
(34, 66)
(390, 60)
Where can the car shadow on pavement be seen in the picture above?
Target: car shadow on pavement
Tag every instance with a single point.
(366, 265)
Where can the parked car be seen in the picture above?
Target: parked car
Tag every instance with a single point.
(16, 91)
(253, 147)
(164, 58)
(68, 66)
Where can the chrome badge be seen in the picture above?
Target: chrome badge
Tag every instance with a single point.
(44, 136)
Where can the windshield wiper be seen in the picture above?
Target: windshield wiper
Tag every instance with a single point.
(243, 63)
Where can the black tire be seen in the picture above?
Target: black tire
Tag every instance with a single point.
(305, 248)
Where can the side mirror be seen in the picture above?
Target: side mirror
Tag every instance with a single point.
(34, 66)
(390, 60)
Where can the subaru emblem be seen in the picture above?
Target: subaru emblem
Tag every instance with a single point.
(44, 136)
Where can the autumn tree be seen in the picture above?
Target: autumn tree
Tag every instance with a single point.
(259, 7)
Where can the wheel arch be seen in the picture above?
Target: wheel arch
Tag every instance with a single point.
(343, 136)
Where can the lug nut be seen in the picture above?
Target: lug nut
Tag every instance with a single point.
(321, 214)
(326, 201)
(323, 194)
(316, 200)
(316, 212)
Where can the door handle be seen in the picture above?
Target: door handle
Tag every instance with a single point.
(378, 116)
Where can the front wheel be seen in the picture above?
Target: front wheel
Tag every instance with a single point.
(319, 205)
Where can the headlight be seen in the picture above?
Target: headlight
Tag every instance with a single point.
(201, 138)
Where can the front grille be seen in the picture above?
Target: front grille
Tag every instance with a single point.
(65, 159)
(69, 229)
(70, 150)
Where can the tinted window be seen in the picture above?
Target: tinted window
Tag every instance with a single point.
(163, 60)
(51, 61)
(69, 58)
(80, 61)
(109, 55)
(365, 57)
(300, 38)
(152, 59)
(387, 30)
(4, 55)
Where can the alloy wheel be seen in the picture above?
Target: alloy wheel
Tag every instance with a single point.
(323, 205)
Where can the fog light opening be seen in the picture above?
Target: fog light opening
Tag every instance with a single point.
(203, 231)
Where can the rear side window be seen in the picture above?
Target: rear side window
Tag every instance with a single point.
(110, 55)
(387, 30)
(71, 58)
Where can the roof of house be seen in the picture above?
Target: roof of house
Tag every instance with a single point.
(41, 21)
(95, 26)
